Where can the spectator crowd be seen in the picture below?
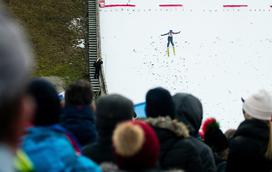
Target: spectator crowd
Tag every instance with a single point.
(39, 132)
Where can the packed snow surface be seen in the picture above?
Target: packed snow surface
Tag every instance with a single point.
(222, 54)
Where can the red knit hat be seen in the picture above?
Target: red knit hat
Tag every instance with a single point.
(136, 146)
(213, 136)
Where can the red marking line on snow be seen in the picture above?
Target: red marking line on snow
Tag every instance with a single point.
(171, 5)
(234, 6)
(117, 5)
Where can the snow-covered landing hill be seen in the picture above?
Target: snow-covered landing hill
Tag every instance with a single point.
(223, 53)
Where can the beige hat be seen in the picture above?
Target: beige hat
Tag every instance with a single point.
(259, 105)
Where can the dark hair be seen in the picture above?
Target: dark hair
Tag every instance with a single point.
(79, 93)
(48, 108)
(159, 103)
(8, 116)
(230, 134)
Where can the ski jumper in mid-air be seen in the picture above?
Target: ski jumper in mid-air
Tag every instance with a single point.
(170, 40)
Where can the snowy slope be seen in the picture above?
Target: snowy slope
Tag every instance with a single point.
(222, 53)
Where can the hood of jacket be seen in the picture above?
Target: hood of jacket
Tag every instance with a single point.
(188, 109)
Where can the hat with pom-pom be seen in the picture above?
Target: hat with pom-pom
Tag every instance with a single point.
(213, 136)
(136, 146)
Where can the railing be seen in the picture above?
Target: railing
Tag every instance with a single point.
(99, 85)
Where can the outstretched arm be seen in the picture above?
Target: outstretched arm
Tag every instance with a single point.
(165, 34)
(176, 32)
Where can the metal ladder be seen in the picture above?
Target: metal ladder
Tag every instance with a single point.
(98, 85)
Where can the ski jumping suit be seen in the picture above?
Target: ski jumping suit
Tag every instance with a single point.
(170, 40)
(170, 37)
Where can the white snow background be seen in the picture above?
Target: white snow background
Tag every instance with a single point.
(222, 54)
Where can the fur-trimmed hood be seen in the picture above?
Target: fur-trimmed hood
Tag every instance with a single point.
(176, 149)
(175, 126)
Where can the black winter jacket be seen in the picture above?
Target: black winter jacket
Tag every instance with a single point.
(248, 147)
(79, 120)
(206, 155)
(176, 149)
(101, 151)
(189, 110)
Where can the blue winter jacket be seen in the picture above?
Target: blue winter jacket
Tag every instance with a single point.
(50, 151)
(79, 120)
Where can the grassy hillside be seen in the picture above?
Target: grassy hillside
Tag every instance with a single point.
(48, 23)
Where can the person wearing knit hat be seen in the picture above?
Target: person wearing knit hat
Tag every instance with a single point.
(47, 101)
(136, 146)
(215, 138)
(176, 152)
(136, 149)
(159, 103)
(110, 111)
(251, 146)
(259, 106)
(46, 143)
